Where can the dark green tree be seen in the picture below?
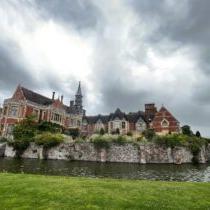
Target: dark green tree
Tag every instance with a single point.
(149, 134)
(198, 134)
(186, 130)
(102, 131)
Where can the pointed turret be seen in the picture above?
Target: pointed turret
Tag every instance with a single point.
(79, 91)
(78, 100)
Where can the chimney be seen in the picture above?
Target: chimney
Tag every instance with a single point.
(53, 96)
(150, 110)
(62, 99)
(71, 103)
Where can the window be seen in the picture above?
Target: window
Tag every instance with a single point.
(13, 111)
(5, 110)
(111, 125)
(123, 125)
(165, 123)
(78, 123)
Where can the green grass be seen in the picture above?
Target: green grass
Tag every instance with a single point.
(22, 191)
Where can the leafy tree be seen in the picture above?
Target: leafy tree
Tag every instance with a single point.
(149, 133)
(198, 134)
(117, 131)
(73, 132)
(102, 131)
(49, 127)
(186, 130)
(23, 134)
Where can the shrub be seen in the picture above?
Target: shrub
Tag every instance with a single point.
(100, 141)
(149, 134)
(3, 139)
(186, 130)
(73, 132)
(48, 139)
(198, 134)
(49, 127)
(23, 134)
(129, 133)
(102, 131)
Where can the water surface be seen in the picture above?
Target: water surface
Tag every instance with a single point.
(168, 172)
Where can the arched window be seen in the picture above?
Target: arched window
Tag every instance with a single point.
(123, 125)
(165, 123)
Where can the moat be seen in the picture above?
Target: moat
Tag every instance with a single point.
(167, 172)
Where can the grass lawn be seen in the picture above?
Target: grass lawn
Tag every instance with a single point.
(22, 191)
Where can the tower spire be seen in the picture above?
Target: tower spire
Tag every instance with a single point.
(79, 91)
(78, 100)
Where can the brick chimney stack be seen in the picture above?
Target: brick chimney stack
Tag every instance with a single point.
(150, 111)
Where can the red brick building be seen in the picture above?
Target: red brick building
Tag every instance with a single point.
(25, 102)
(161, 121)
(164, 122)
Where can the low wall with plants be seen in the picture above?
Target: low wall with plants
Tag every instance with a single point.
(45, 140)
(112, 152)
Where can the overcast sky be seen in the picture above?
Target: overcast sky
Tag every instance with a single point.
(125, 52)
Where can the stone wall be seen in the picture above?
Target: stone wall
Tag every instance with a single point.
(133, 153)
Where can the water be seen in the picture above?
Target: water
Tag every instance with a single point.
(168, 172)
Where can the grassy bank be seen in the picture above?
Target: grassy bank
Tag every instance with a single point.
(21, 191)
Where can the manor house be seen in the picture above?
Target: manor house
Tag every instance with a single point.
(25, 102)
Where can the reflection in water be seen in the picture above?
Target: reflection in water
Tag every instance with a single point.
(185, 172)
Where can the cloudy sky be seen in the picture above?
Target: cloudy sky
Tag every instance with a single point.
(125, 52)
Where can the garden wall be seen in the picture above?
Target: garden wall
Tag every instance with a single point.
(129, 152)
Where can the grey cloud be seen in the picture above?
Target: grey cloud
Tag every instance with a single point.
(12, 73)
(80, 13)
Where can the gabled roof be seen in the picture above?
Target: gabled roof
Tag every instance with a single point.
(94, 119)
(134, 116)
(164, 113)
(118, 113)
(35, 97)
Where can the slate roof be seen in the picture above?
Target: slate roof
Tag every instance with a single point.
(35, 97)
(131, 117)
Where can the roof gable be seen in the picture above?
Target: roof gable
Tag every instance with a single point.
(35, 97)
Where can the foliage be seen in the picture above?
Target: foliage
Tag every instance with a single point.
(129, 133)
(23, 134)
(192, 142)
(49, 127)
(198, 134)
(3, 139)
(73, 132)
(87, 193)
(25, 130)
(100, 142)
(186, 130)
(149, 134)
(117, 131)
(102, 131)
(48, 139)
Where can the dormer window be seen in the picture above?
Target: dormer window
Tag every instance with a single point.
(165, 123)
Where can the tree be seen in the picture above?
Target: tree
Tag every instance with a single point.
(198, 134)
(149, 134)
(102, 131)
(186, 130)
(117, 131)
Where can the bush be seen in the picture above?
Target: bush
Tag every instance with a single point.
(100, 142)
(48, 139)
(102, 131)
(186, 130)
(129, 133)
(49, 127)
(198, 134)
(23, 134)
(3, 139)
(73, 132)
(149, 134)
